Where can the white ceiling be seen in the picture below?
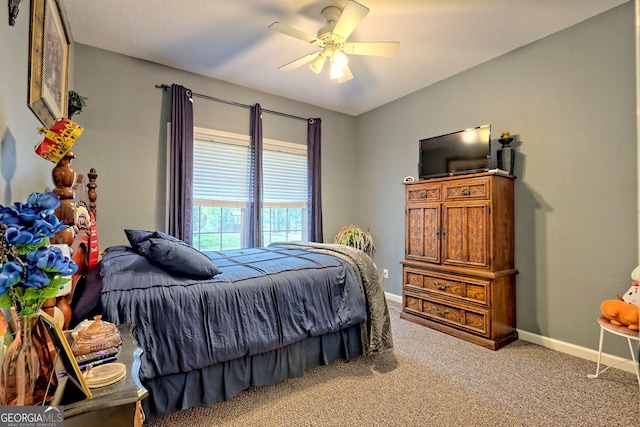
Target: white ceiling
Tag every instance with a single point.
(229, 40)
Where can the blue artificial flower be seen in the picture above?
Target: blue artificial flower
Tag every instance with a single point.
(49, 225)
(51, 260)
(36, 278)
(47, 200)
(10, 275)
(9, 216)
(27, 213)
(21, 237)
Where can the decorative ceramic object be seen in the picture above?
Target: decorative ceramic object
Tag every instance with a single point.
(104, 375)
(98, 336)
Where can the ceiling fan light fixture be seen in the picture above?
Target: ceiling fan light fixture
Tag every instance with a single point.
(336, 71)
(317, 63)
(338, 62)
(339, 58)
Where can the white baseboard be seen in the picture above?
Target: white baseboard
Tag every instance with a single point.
(393, 297)
(581, 352)
(561, 346)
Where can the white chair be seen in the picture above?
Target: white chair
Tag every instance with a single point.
(622, 331)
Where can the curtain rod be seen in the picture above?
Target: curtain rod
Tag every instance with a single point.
(237, 104)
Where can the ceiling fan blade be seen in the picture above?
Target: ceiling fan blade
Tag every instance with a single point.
(389, 49)
(299, 62)
(351, 16)
(346, 75)
(292, 32)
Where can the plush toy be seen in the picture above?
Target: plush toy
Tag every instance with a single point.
(621, 313)
(625, 311)
(632, 296)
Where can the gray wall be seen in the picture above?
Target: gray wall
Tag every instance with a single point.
(570, 101)
(126, 132)
(21, 170)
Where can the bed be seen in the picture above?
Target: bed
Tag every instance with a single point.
(212, 324)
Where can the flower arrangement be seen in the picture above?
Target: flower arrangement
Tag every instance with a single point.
(32, 272)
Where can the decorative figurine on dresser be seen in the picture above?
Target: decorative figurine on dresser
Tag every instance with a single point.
(458, 272)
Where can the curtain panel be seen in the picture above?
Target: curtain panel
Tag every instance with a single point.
(254, 223)
(314, 180)
(181, 165)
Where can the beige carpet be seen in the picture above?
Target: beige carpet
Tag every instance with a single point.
(432, 379)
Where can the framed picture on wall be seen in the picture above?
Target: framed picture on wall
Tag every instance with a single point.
(48, 62)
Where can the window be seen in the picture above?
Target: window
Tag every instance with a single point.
(220, 190)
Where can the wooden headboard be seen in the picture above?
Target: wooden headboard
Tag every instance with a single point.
(78, 209)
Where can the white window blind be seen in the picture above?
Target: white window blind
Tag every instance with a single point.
(284, 176)
(221, 169)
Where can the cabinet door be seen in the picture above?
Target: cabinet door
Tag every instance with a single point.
(466, 233)
(423, 233)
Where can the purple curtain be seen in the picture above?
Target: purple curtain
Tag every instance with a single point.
(181, 165)
(253, 236)
(314, 180)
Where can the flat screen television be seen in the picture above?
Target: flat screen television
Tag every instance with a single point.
(466, 151)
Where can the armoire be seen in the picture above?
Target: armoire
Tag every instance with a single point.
(458, 272)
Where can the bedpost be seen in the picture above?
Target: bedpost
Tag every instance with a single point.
(93, 196)
(74, 211)
(64, 178)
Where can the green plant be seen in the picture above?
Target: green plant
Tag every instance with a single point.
(77, 99)
(356, 237)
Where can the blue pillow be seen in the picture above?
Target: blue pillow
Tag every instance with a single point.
(165, 236)
(136, 237)
(176, 257)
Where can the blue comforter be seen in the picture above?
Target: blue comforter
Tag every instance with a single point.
(265, 298)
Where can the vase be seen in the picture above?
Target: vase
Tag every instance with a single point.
(28, 376)
(74, 107)
(506, 154)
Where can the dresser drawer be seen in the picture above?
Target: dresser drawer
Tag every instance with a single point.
(477, 189)
(423, 193)
(470, 290)
(464, 317)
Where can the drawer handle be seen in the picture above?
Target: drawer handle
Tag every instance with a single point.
(465, 191)
(440, 313)
(422, 195)
(441, 287)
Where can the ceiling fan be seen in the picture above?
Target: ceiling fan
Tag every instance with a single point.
(332, 38)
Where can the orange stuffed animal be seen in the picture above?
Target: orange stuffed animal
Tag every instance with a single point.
(621, 313)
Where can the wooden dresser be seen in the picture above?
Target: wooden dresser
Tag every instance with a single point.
(458, 272)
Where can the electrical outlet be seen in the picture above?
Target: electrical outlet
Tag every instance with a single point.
(385, 274)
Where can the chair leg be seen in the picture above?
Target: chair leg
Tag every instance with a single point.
(635, 362)
(633, 357)
(599, 356)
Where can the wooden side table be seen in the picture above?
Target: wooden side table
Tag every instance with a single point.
(115, 405)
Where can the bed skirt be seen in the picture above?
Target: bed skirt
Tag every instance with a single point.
(220, 382)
